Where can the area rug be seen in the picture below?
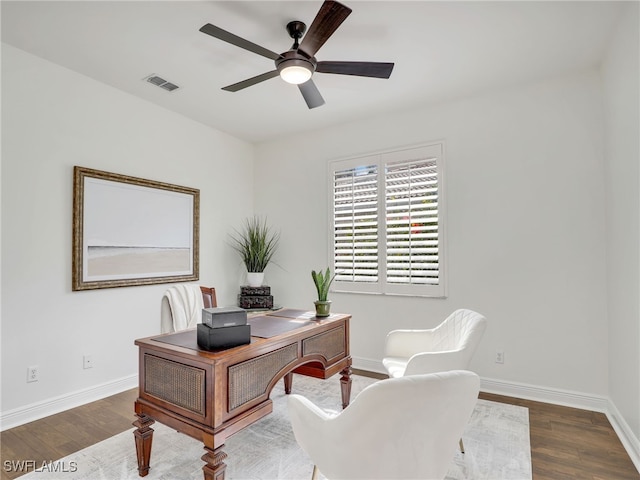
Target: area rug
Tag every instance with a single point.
(496, 443)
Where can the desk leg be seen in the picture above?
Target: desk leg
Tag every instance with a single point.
(214, 467)
(345, 386)
(288, 381)
(144, 437)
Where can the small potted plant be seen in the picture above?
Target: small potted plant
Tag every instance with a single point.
(256, 244)
(323, 282)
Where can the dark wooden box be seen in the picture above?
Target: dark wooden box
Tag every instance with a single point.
(255, 301)
(253, 291)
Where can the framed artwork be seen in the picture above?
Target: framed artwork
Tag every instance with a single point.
(130, 231)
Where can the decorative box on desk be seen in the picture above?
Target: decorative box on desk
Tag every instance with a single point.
(255, 297)
(223, 337)
(224, 316)
(223, 327)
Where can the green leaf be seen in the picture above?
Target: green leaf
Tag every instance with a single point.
(322, 282)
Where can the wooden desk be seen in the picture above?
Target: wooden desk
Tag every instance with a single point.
(212, 395)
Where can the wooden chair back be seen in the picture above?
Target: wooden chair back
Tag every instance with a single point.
(209, 297)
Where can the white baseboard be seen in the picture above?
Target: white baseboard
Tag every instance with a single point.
(556, 396)
(536, 393)
(626, 436)
(368, 365)
(38, 410)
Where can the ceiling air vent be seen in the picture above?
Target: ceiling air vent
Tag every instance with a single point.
(162, 83)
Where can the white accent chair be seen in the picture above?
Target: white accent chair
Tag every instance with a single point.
(400, 428)
(449, 346)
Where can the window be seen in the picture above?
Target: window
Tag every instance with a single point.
(387, 223)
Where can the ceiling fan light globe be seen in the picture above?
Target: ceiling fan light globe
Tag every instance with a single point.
(295, 74)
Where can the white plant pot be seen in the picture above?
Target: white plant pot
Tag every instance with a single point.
(255, 279)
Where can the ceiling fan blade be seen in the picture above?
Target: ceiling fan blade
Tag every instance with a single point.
(329, 18)
(228, 37)
(311, 94)
(251, 81)
(361, 69)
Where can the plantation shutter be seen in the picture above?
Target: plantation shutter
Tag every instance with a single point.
(387, 223)
(411, 205)
(355, 222)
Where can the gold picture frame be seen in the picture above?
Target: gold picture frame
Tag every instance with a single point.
(129, 231)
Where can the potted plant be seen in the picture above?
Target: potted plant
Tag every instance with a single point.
(323, 282)
(256, 244)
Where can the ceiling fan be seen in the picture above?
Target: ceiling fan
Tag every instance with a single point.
(298, 64)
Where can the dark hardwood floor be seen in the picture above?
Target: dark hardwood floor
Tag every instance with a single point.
(566, 443)
(569, 443)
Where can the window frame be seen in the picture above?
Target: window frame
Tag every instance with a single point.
(435, 150)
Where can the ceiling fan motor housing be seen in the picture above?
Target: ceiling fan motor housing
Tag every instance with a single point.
(293, 58)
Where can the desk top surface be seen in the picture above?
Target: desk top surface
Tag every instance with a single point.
(265, 327)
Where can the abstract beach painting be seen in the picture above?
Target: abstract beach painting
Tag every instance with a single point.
(132, 231)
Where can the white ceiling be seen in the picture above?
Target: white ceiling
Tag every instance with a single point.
(441, 50)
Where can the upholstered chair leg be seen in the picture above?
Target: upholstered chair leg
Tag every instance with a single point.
(314, 475)
(461, 446)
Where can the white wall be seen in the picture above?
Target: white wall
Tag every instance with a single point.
(526, 227)
(621, 80)
(53, 119)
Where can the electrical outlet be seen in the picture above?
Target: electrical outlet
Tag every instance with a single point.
(499, 356)
(32, 373)
(87, 361)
